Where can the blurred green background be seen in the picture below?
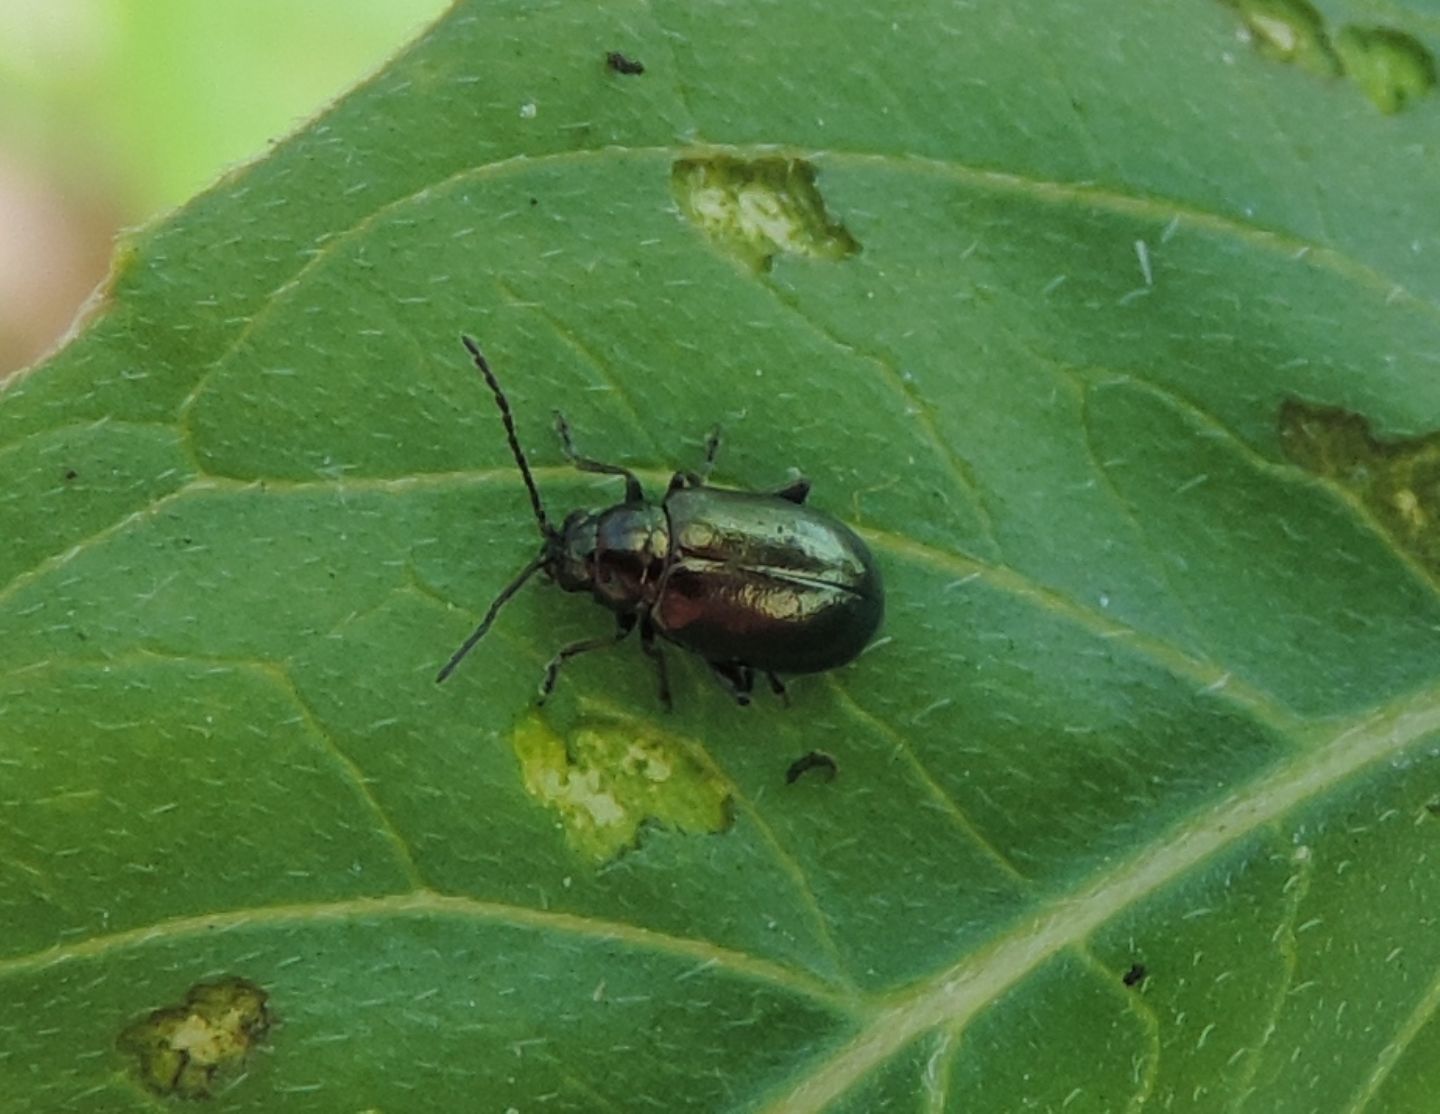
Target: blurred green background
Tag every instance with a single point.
(112, 112)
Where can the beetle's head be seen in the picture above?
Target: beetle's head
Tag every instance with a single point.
(570, 552)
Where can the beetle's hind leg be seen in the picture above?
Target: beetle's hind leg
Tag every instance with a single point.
(777, 686)
(624, 625)
(737, 679)
(634, 493)
(655, 654)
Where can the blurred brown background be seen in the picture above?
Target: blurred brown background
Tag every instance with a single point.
(112, 112)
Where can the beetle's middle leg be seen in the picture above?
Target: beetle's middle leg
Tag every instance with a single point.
(737, 679)
(701, 477)
(634, 493)
(624, 625)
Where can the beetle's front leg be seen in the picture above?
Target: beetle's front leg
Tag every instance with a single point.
(655, 654)
(624, 625)
(634, 493)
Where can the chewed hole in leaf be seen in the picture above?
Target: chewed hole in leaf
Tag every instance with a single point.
(606, 780)
(1391, 68)
(186, 1051)
(759, 208)
(1289, 31)
(1398, 481)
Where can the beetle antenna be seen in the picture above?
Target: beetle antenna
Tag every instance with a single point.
(479, 632)
(546, 530)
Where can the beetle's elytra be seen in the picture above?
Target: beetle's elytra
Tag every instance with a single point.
(752, 582)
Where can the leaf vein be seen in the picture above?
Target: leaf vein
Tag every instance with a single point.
(963, 990)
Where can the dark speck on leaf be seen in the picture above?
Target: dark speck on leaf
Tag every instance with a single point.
(70, 473)
(1136, 975)
(815, 760)
(621, 64)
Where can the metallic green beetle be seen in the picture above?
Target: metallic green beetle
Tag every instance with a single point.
(752, 582)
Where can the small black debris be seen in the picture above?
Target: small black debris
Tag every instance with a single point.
(622, 64)
(815, 760)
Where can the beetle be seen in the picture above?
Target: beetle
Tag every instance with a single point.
(752, 582)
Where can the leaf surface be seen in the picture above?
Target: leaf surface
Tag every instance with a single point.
(1113, 335)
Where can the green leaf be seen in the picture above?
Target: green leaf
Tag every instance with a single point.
(1114, 336)
(1390, 66)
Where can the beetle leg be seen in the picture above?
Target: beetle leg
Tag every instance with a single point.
(655, 654)
(698, 479)
(625, 624)
(634, 493)
(777, 686)
(712, 450)
(796, 491)
(738, 679)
